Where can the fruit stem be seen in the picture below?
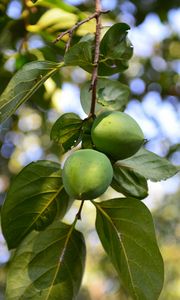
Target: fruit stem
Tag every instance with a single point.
(93, 86)
(78, 215)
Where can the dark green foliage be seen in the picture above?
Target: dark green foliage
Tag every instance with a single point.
(66, 131)
(129, 183)
(34, 199)
(115, 50)
(111, 62)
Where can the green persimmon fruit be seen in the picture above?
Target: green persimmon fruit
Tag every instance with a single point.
(116, 134)
(87, 174)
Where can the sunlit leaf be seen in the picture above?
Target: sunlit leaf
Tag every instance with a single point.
(129, 183)
(111, 95)
(149, 165)
(126, 230)
(58, 4)
(48, 265)
(54, 19)
(24, 84)
(67, 130)
(35, 197)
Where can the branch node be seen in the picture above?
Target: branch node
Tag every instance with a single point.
(78, 24)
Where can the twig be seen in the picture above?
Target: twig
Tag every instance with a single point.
(72, 29)
(68, 44)
(93, 86)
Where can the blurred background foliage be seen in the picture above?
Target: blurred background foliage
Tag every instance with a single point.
(26, 34)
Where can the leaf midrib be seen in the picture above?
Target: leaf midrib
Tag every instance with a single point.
(121, 242)
(40, 214)
(35, 87)
(60, 260)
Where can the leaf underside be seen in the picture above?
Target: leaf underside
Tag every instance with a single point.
(149, 165)
(129, 183)
(24, 84)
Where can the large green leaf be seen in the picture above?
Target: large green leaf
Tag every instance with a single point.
(111, 95)
(48, 265)
(149, 165)
(23, 85)
(66, 131)
(129, 183)
(35, 197)
(126, 230)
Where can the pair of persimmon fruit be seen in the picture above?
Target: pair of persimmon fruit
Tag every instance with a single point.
(87, 173)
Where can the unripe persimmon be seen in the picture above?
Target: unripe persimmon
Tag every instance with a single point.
(117, 134)
(87, 174)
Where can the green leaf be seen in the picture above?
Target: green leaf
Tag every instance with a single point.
(48, 265)
(113, 58)
(149, 165)
(115, 50)
(129, 183)
(24, 84)
(54, 19)
(112, 44)
(66, 131)
(111, 95)
(126, 230)
(80, 55)
(59, 4)
(35, 197)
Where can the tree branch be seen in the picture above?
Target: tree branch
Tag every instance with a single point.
(94, 77)
(72, 29)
